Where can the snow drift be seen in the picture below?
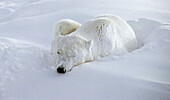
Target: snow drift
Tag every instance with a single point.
(27, 67)
(27, 73)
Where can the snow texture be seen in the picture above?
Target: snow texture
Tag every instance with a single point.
(27, 71)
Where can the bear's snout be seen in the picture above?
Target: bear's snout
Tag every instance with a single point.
(61, 70)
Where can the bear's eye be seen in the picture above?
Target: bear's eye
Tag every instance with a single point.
(58, 52)
(73, 56)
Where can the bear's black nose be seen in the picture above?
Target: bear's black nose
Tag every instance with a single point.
(61, 70)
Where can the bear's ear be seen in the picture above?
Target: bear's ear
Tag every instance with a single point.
(89, 44)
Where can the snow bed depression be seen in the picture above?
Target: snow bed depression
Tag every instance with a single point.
(28, 73)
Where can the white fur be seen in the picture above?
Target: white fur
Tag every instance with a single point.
(110, 34)
(98, 37)
(65, 27)
(62, 28)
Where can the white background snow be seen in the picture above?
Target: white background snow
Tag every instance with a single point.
(26, 68)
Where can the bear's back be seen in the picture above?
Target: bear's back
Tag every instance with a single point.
(99, 30)
(124, 32)
(93, 28)
(109, 28)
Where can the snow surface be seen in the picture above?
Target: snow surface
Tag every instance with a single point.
(26, 70)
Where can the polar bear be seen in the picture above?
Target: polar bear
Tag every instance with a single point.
(99, 37)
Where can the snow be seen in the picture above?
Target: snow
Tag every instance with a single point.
(26, 70)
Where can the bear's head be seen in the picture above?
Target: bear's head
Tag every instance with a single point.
(71, 51)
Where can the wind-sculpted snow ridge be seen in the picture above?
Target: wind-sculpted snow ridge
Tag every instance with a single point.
(16, 56)
(143, 28)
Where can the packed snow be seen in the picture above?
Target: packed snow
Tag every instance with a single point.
(28, 73)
